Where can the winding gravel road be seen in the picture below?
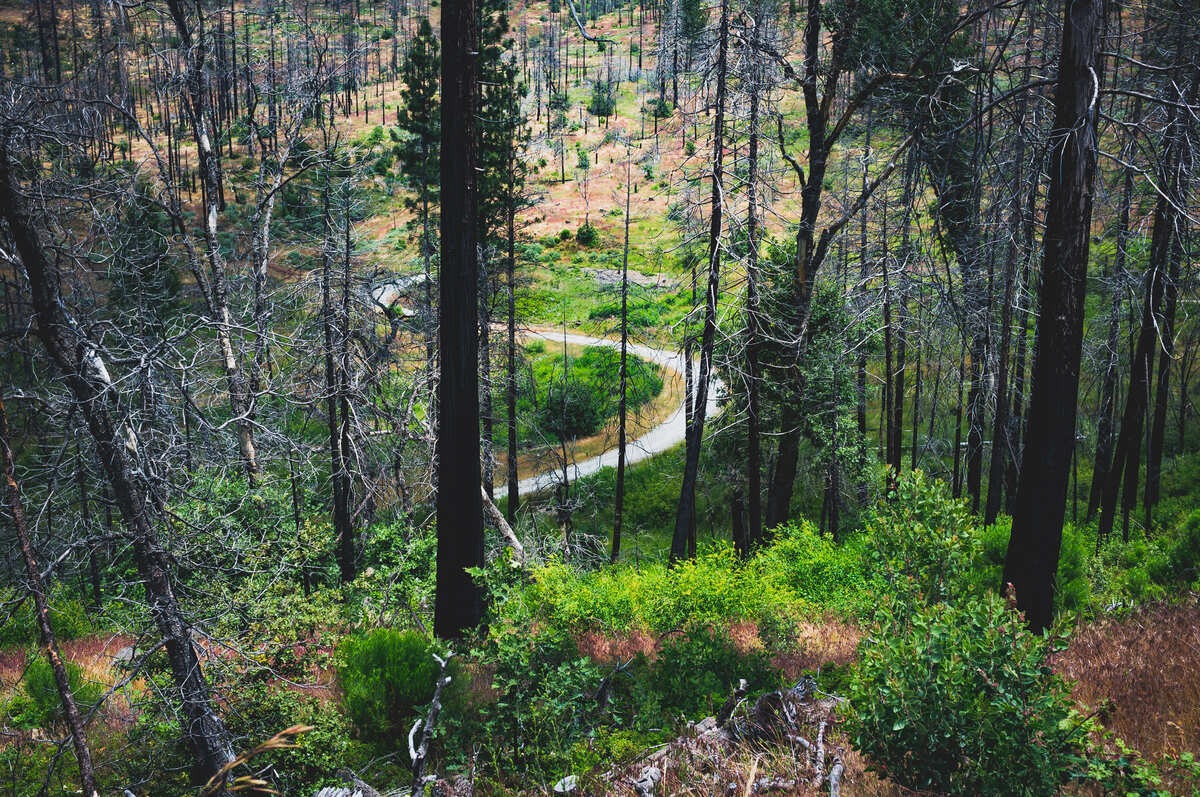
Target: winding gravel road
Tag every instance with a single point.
(666, 435)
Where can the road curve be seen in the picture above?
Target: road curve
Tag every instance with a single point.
(666, 435)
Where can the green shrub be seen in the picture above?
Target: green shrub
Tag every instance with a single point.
(385, 675)
(32, 768)
(710, 590)
(1183, 555)
(818, 570)
(545, 700)
(259, 711)
(638, 312)
(694, 672)
(1072, 590)
(659, 108)
(958, 699)
(587, 235)
(40, 705)
(571, 409)
(68, 617)
(923, 542)
(575, 396)
(603, 102)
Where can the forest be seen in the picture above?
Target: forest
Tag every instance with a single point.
(599, 397)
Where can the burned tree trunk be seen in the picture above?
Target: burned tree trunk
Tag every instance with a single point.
(87, 377)
(37, 588)
(458, 605)
(1033, 548)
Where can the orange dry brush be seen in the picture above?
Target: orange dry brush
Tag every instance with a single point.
(1142, 673)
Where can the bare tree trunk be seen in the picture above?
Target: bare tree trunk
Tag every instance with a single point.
(215, 284)
(1127, 459)
(956, 481)
(1001, 439)
(622, 396)
(339, 470)
(1108, 390)
(37, 588)
(1166, 355)
(753, 343)
(685, 517)
(87, 378)
(513, 478)
(1032, 559)
(487, 445)
(458, 604)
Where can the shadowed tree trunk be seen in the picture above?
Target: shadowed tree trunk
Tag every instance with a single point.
(1127, 458)
(753, 370)
(458, 604)
(1033, 549)
(622, 396)
(685, 516)
(1108, 390)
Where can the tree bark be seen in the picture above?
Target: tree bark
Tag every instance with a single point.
(1032, 559)
(1127, 459)
(458, 604)
(215, 284)
(623, 387)
(511, 473)
(37, 588)
(1108, 389)
(753, 342)
(685, 516)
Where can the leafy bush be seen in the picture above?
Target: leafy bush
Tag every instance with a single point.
(544, 700)
(1183, 556)
(259, 711)
(712, 589)
(33, 768)
(571, 409)
(958, 699)
(40, 704)
(659, 108)
(694, 672)
(639, 312)
(575, 396)
(68, 617)
(587, 235)
(1072, 590)
(923, 542)
(604, 100)
(385, 674)
(818, 570)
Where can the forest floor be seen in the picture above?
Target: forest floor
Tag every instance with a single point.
(1136, 671)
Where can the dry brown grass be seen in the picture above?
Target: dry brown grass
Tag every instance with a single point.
(612, 648)
(830, 641)
(815, 644)
(1142, 673)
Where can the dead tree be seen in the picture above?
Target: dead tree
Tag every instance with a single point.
(1033, 549)
(213, 281)
(685, 515)
(458, 604)
(37, 588)
(86, 374)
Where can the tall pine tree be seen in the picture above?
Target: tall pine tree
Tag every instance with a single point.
(420, 117)
(502, 133)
